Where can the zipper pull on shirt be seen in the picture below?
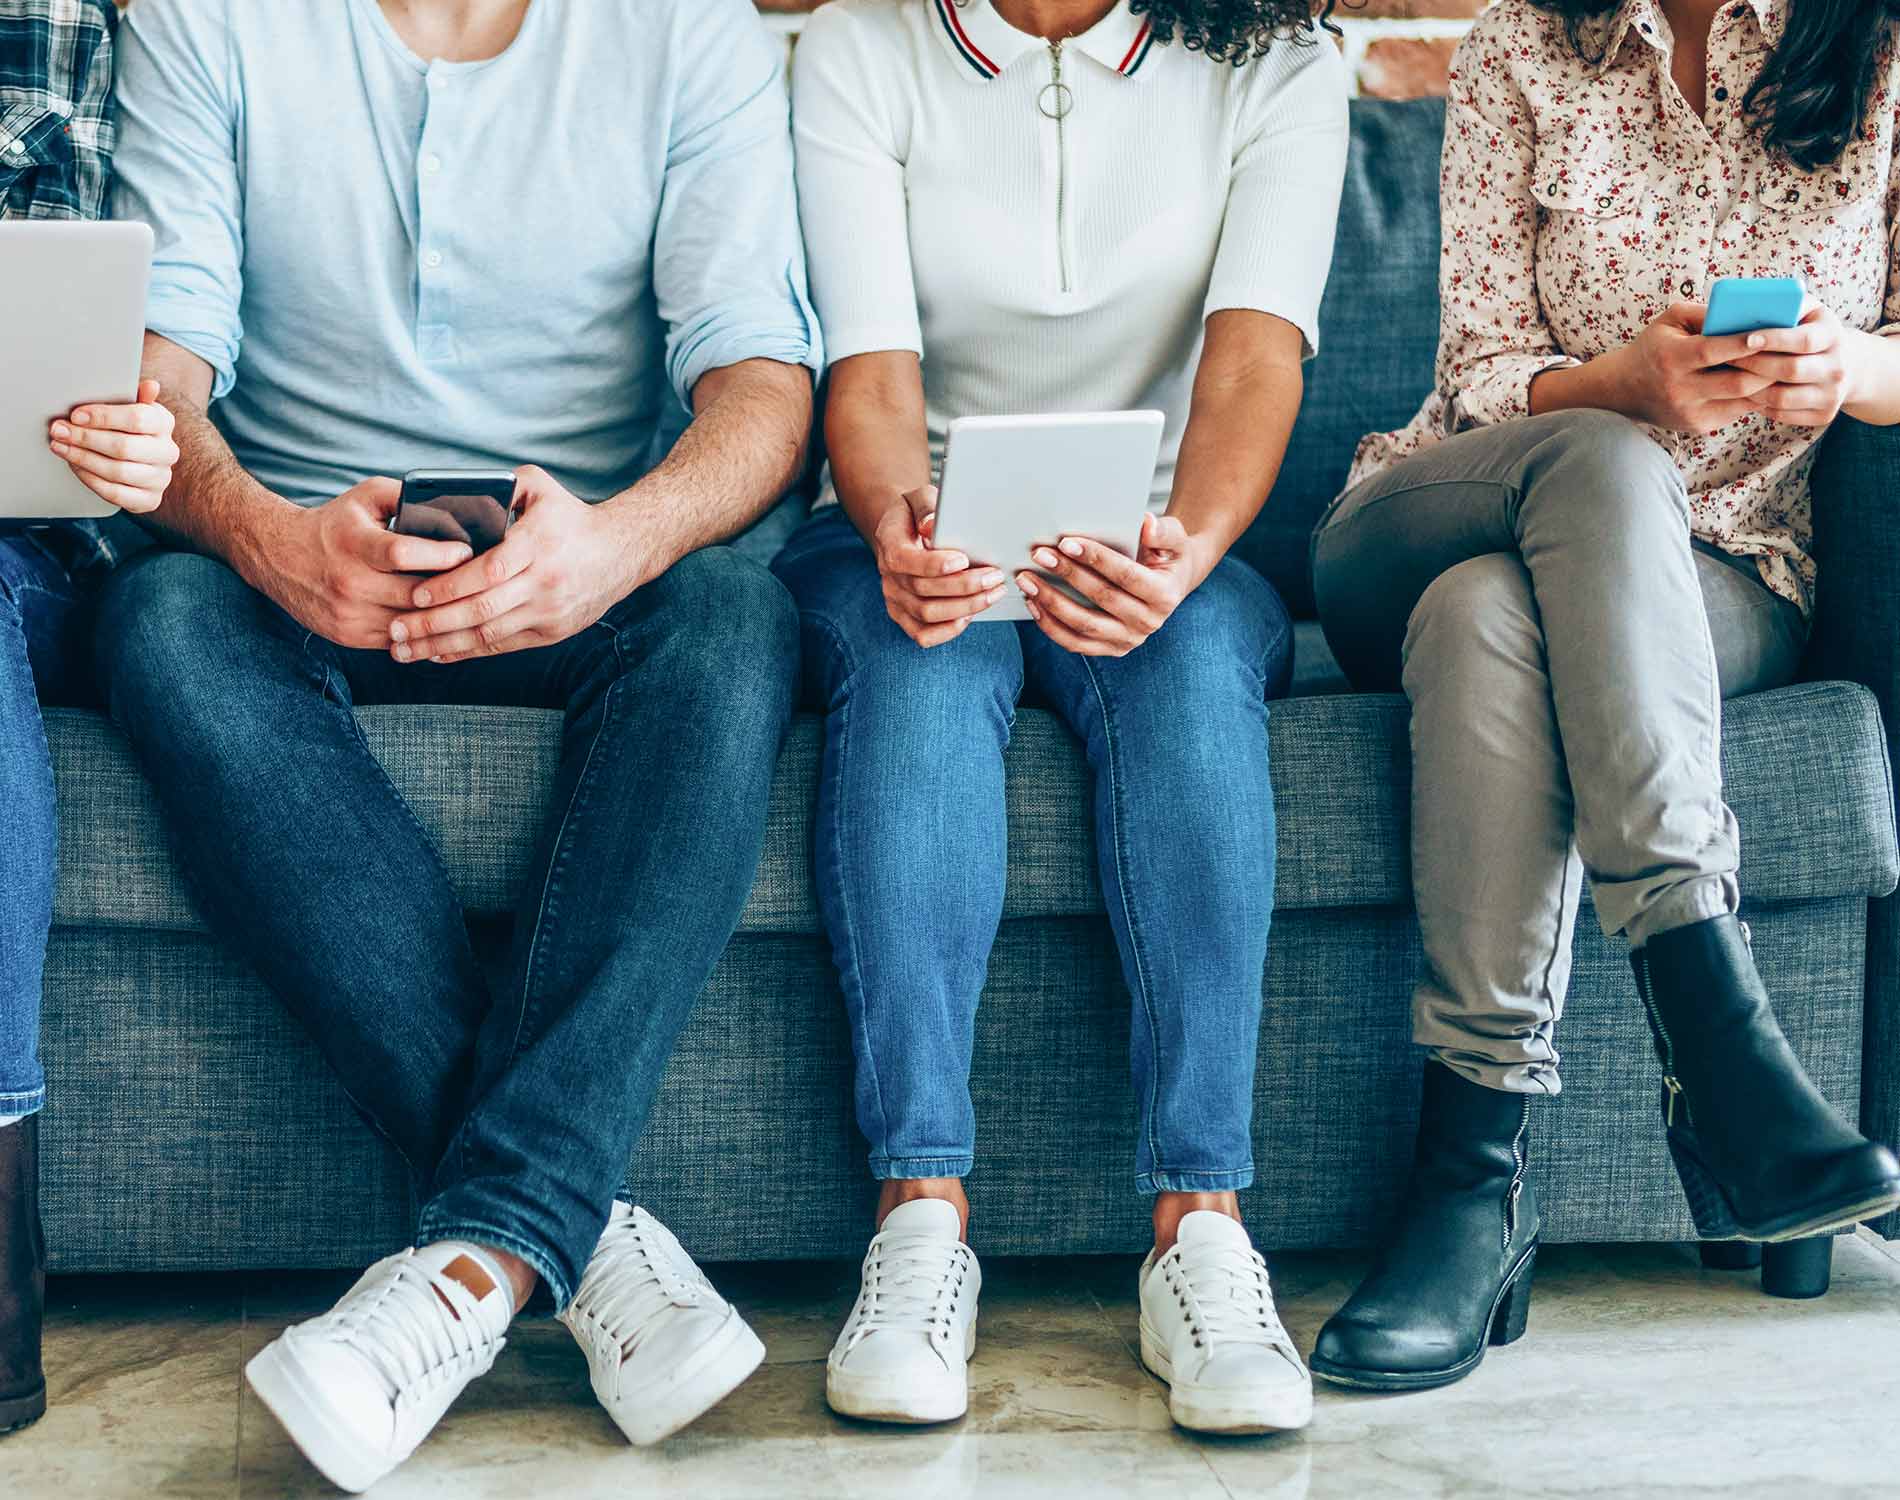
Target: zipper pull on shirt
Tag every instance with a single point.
(1057, 99)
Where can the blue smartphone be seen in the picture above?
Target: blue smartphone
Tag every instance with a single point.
(1749, 304)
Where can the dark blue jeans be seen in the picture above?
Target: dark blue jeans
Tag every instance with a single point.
(42, 653)
(912, 856)
(517, 1110)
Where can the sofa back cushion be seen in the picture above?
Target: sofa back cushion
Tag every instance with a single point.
(1378, 329)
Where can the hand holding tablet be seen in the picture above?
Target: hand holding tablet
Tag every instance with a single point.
(1015, 485)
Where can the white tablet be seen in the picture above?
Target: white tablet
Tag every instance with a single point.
(72, 330)
(1011, 484)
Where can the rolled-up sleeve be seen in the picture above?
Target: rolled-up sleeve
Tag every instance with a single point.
(178, 171)
(1276, 246)
(851, 189)
(1494, 337)
(729, 263)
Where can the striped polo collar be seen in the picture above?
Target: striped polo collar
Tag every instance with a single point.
(984, 44)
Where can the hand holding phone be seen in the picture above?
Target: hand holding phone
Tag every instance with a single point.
(471, 506)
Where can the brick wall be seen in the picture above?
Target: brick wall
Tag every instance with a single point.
(1398, 49)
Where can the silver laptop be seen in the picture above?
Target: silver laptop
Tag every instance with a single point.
(72, 328)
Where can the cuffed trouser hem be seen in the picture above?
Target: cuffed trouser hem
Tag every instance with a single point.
(1699, 900)
(1169, 1181)
(429, 1232)
(911, 1168)
(18, 1106)
(1530, 1075)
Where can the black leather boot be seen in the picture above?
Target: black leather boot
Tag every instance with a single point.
(1456, 1276)
(22, 1276)
(1761, 1154)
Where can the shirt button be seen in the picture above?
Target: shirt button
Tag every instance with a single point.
(1687, 289)
(1721, 96)
(432, 163)
(433, 259)
(1703, 191)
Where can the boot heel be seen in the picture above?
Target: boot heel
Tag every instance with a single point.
(1514, 1308)
(1798, 1268)
(1708, 1204)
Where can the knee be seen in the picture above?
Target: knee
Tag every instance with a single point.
(888, 678)
(164, 623)
(1607, 456)
(729, 624)
(1235, 627)
(1481, 606)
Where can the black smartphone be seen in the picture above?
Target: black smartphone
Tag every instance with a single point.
(456, 505)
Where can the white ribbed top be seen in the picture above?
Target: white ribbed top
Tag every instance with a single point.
(1041, 265)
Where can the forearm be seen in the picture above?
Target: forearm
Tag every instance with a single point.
(745, 448)
(1247, 396)
(1873, 394)
(1597, 385)
(214, 506)
(877, 435)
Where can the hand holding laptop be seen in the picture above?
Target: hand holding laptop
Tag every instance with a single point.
(123, 454)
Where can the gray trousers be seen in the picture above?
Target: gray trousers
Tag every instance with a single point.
(1566, 649)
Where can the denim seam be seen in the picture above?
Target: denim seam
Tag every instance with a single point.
(428, 1232)
(1202, 1180)
(29, 1100)
(550, 891)
(885, 1167)
(856, 977)
(1151, 1106)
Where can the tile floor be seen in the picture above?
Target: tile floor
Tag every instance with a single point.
(1642, 1375)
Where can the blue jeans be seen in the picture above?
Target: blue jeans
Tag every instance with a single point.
(42, 653)
(516, 1106)
(912, 857)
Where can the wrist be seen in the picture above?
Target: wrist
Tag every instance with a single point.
(1860, 362)
(256, 545)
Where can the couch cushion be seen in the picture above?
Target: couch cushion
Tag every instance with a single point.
(1378, 329)
(1807, 771)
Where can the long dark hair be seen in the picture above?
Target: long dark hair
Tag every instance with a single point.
(1233, 31)
(1809, 100)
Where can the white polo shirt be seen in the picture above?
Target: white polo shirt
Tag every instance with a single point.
(1049, 227)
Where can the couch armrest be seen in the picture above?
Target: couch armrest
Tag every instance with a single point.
(1857, 639)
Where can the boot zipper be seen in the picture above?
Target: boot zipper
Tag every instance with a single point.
(1664, 1046)
(1056, 101)
(1516, 1190)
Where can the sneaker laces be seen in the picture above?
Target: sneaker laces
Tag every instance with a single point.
(413, 1326)
(1227, 1296)
(639, 1271)
(912, 1284)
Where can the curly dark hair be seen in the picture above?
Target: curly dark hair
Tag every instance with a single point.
(1233, 31)
(1809, 100)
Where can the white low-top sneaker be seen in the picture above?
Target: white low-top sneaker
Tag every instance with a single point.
(1208, 1328)
(662, 1346)
(360, 1387)
(904, 1354)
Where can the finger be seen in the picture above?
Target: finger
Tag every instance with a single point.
(1784, 400)
(505, 633)
(110, 444)
(129, 498)
(1163, 534)
(418, 629)
(956, 585)
(138, 476)
(476, 575)
(1688, 316)
(941, 611)
(1788, 369)
(1079, 618)
(148, 392)
(918, 561)
(1809, 338)
(1728, 383)
(154, 421)
(381, 495)
(1707, 354)
(1094, 587)
(922, 503)
(1117, 568)
(1067, 639)
(939, 635)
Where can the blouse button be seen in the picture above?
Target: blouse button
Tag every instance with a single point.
(1721, 96)
(1794, 195)
(1687, 289)
(1603, 203)
(1702, 191)
(1840, 190)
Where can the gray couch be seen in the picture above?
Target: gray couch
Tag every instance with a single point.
(193, 1126)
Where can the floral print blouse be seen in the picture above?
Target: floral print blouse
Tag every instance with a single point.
(1581, 200)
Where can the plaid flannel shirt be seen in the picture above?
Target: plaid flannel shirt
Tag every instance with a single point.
(56, 137)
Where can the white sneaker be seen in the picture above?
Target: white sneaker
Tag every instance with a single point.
(1209, 1329)
(904, 1354)
(360, 1387)
(662, 1346)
